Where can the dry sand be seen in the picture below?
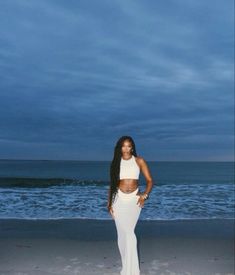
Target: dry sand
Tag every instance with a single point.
(86, 247)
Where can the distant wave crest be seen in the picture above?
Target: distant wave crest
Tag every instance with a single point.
(46, 182)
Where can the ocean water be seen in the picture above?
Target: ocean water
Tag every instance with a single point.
(79, 189)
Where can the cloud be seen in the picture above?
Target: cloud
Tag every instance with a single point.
(79, 72)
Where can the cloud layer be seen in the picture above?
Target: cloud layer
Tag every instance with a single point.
(77, 75)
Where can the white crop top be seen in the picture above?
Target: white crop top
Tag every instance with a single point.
(129, 169)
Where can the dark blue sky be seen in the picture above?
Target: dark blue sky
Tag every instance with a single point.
(77, 75)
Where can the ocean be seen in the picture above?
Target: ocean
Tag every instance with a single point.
(46, 189)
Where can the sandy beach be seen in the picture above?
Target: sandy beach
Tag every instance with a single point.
(79, 246)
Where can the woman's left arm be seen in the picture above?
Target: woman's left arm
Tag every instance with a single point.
(145, 170)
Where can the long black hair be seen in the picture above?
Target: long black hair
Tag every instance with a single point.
(115, 165)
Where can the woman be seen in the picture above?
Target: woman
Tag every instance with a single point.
(125, 201)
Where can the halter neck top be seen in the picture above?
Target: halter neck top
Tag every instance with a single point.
(129, 169)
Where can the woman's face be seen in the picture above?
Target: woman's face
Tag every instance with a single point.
(126, 147)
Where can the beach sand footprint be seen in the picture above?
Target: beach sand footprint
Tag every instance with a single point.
(75, 261)
(23, 245)
(162, 268)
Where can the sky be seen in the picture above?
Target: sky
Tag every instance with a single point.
(75, 76)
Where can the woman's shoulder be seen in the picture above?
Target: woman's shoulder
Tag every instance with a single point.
(139, 159)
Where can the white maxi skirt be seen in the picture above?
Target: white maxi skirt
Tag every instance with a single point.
(126, 214)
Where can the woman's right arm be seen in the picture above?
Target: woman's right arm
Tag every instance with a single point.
(109, 197)
(110, 208)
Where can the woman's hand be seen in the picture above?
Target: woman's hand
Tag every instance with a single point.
(141, 201)
(111, 212)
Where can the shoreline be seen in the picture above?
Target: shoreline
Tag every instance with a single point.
(105, 229)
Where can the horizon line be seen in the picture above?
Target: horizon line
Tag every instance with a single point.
(110, 160)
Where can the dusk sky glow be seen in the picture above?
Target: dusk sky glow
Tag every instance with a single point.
(77, 75)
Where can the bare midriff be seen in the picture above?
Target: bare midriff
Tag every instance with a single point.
(128, 185)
